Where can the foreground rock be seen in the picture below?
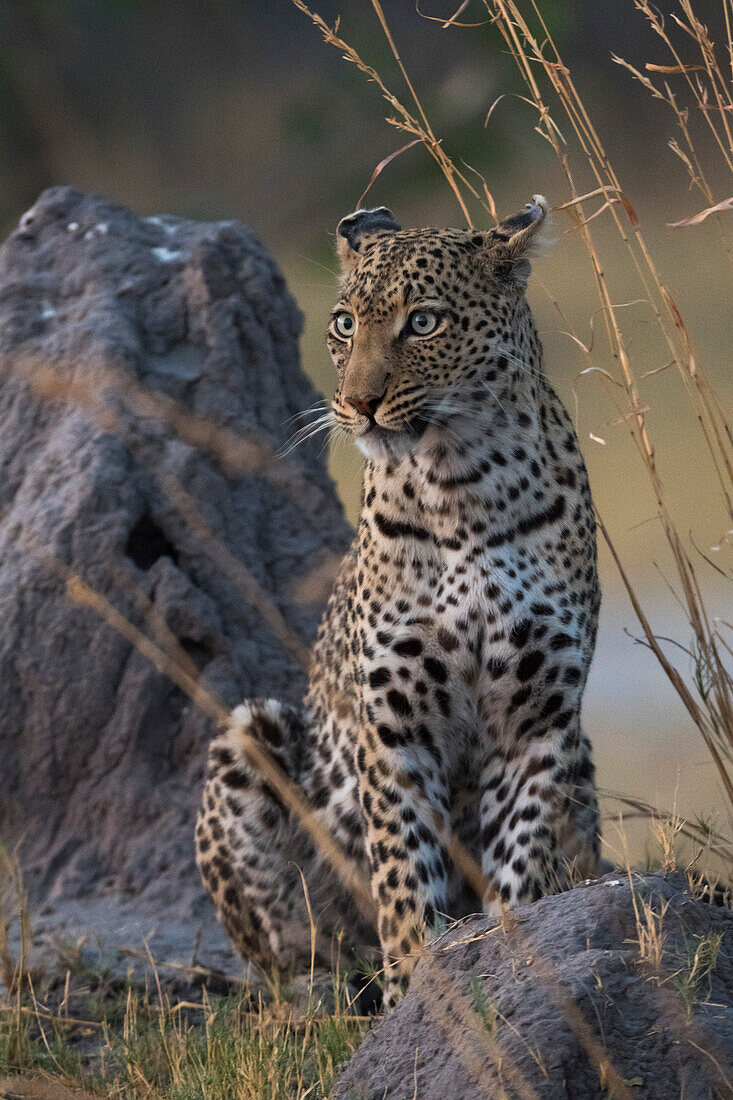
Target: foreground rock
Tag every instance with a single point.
(133, 350)
(563, 1002)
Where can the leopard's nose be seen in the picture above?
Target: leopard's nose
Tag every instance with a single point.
(366, 405)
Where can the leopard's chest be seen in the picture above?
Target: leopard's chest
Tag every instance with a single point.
(488, 610)
(466, 620)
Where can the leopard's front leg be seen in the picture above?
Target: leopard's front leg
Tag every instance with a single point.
(404, 796)
(538, 824)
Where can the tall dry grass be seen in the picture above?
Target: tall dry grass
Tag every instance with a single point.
(699, 667)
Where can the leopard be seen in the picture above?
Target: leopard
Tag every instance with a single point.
(443, 712)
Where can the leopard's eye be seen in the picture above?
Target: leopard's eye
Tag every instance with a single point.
(343, 325)
(422, 323)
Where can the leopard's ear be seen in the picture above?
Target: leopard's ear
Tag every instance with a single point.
(506, 245)
(357, 231)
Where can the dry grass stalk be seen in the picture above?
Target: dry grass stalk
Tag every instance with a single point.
(194, 971)
(700, 832)
(13, 907)
(650, 930)
(715, 113)
(665, 831)
(402, 119)
(713, 715)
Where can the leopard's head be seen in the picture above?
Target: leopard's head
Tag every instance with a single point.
(431, 335)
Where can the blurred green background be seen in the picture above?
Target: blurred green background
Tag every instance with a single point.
(217, 109)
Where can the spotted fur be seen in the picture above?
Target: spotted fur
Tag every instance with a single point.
(447, 679)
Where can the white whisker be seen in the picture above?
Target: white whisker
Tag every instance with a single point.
(489, 390)
(317, 406)
(324, 423)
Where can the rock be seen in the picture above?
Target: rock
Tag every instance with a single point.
(134, 350)
(533, 1007)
